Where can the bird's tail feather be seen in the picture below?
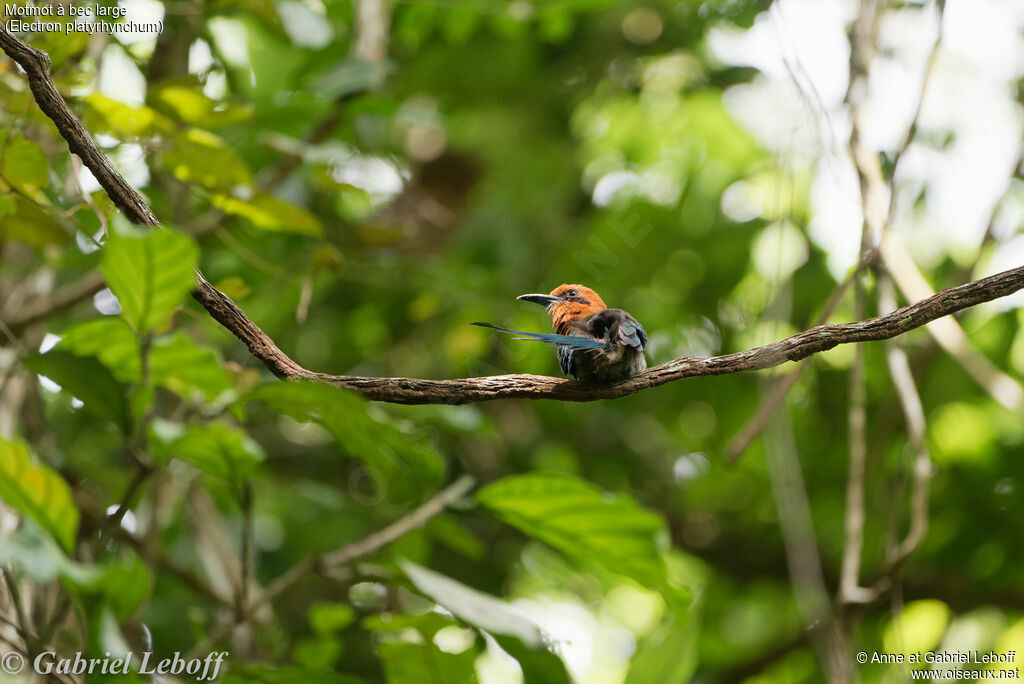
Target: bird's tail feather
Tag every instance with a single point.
(573, 341)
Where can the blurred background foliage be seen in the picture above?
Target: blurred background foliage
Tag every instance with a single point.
(365, 180)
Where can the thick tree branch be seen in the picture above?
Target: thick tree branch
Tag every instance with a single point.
(422, 391)
(466, 390)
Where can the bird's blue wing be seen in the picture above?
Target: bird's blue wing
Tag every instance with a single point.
(631, 333)
(573, 341)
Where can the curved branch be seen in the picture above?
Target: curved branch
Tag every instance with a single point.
(422, 391)
(466, 390)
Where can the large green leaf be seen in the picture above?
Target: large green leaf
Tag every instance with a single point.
(181, 365)
(203, 158)
(111, 340)
(218, 449)
(669, 653)
(190, 105)
(24, 165)
(35, 555)
(518, 635)
(38, 491)
(472, 606)
(403, 462)
(29, 223)
(150, 272)
(582, 521)
(350, 76)
(104, 115)
(415, 663)
(87, 379)
(122, 583)
(269, 213)
(175, 361)
(410, 655)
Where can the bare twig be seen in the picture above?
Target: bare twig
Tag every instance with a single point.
(911, 133)
(61, 300)
(913, 413)
(878, 216)
(242, 595)
(142, 473)
(184, 576)
(948, 333)
(803, 559)
(850, 590)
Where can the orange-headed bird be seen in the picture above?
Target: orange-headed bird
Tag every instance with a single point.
(594, 343)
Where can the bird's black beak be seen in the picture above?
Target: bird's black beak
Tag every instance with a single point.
(542, 299)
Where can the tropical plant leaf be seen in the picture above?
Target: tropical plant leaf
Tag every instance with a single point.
(582, 521)
(218, 449)
(38, 491)
(150, 272)
(87, 379)
(269, 213)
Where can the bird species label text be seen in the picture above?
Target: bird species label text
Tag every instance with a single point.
(71, 19)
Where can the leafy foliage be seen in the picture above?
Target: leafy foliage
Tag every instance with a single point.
(38, 491)
(150, 272)
(363, 212)
(582, 521)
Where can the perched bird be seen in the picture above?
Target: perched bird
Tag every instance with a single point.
(594, 343)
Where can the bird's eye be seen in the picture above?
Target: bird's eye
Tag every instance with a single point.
(572, 293)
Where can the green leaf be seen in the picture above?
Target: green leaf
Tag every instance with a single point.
(516, 634)
(409, 654)
(203, 158)
(584, 522)
(150, 272)
(414, 663)
(350, 76)
(175, 361)
(193, 107)
(24, 165)
(126, 584)
(104, 115)
(38, 491)
(269, 213)
(319, 653)
(35, 554)
(404, 462)
(87, 379)
(111, 340)
(669, 654)
(918, 628)
(181, 365)
(327, 617)
(218, 449)
(30, 224)
(122, 583)
(258, 674)
(963, 433)
(472, 606)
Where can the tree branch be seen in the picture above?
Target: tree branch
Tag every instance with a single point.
(422, 391)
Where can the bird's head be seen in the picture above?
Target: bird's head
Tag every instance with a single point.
(567, 303)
